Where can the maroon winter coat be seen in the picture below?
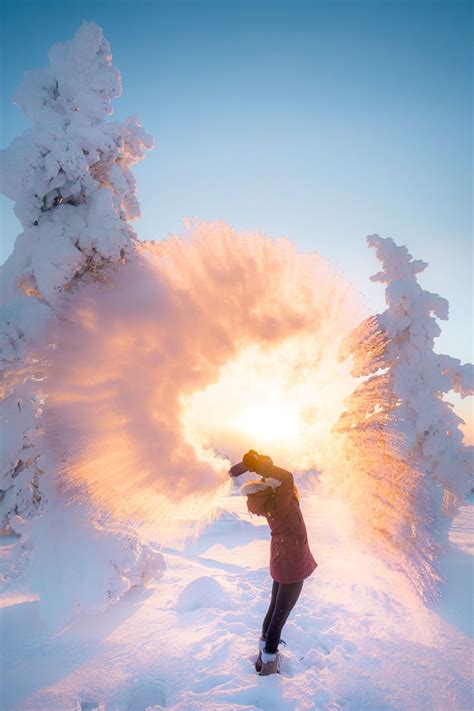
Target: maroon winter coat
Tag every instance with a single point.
(290, 556)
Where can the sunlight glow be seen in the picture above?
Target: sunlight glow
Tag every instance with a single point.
(269, 423)
(282, 401)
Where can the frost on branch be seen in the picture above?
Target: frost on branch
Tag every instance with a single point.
(70, 179)
(410, 468)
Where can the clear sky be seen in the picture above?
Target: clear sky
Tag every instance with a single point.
(320, 121)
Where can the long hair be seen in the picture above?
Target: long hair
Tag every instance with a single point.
(296, 493)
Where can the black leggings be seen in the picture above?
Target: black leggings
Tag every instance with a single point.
(284, 597)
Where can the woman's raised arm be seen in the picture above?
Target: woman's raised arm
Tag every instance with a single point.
(284, 492)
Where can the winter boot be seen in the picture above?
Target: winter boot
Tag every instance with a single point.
(270, 663)
(261, 647)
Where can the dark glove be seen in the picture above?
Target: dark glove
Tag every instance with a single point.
(257, 462)
(242, 467)
(250, 459)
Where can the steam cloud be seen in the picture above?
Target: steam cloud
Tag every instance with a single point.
(131, 353)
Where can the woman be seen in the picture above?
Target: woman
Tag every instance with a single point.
(275, 496)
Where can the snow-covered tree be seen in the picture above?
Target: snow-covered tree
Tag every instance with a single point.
(408, 467)
(69, 176)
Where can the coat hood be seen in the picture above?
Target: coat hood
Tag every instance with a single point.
(259, 493)
(259, 486)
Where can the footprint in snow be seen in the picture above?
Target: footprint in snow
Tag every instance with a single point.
(314, 658)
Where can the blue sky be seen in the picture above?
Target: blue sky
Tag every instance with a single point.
(320, 121)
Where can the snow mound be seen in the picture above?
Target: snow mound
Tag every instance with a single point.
(202, 592)
(82, 565)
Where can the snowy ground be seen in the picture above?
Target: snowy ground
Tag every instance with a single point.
(358, 638)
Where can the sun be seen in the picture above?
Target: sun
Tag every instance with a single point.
(269, 423)
(282, 401)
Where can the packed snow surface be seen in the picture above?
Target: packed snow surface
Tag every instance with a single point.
(358, 638)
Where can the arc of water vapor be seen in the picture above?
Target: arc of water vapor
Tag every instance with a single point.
(128, 353)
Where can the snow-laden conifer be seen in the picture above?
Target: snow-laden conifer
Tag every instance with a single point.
(408, 467)
(70, 179)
